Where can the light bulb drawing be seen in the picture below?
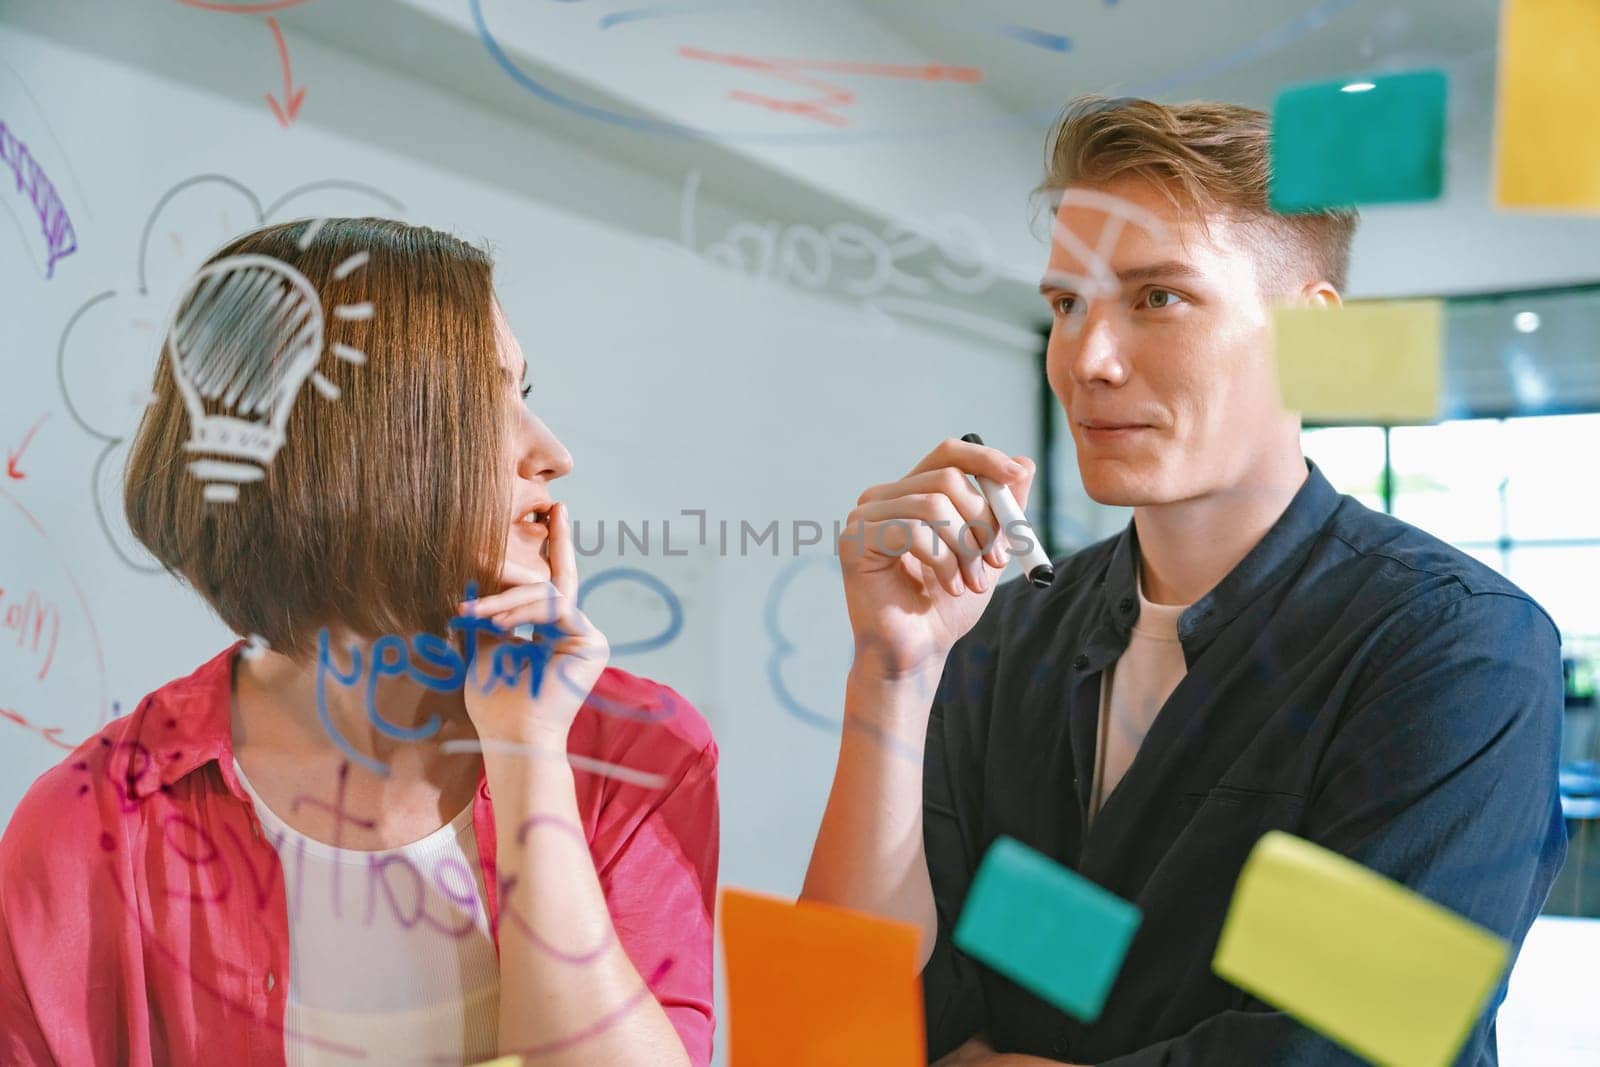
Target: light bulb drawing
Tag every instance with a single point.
(247, 334)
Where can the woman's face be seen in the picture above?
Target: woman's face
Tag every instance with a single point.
(536, 459)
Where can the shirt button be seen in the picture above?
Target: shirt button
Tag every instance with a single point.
(1081, 662)
(272, 981)
(1126, 604)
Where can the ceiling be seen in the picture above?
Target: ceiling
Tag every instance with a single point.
(911, 113)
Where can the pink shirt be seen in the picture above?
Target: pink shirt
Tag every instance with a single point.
(143, 917)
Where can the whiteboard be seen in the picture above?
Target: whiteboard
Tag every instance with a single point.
(701, 362)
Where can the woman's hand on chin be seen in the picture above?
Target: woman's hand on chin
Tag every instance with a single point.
(569, 652)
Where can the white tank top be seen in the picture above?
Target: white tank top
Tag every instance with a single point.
(389, 951)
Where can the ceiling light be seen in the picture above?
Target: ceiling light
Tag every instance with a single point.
(1526, 321)
(1358, 87)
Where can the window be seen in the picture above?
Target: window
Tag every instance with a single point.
(1352, 458)
(1518, 494)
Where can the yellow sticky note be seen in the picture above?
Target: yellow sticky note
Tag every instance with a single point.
(1547, 126)
(503, 1061)
(1362, 362)
(1362, 960)
(814, 986)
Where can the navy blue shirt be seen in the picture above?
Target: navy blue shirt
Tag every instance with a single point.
(1353, 681)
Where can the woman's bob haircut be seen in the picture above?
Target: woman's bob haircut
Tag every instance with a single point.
(384, 501)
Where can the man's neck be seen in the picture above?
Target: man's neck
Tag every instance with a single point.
(1189, 546)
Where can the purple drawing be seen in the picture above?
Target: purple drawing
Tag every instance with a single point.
(60, 237)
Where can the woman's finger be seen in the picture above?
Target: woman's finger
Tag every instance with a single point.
(541, 593)
(514, 574)
(563, 560)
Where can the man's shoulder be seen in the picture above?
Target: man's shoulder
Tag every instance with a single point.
(1398, 556)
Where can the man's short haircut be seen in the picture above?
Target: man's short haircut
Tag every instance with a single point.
(382, 505)
(1211, 159)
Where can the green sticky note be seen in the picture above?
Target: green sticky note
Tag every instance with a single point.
(1364, 961)
(1046, 928)
(1358, 141)
(1372, 361)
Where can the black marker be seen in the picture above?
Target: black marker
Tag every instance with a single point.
(1034, 563)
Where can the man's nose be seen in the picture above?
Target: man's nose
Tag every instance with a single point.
(1097, 348)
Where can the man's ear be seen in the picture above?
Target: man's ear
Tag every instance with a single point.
(1321, 295)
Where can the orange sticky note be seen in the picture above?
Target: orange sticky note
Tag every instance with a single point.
(1547, 126)
(815, 986)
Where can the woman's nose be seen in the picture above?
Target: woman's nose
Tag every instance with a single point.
(543, 455)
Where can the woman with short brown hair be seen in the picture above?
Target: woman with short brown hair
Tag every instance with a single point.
(384, 827)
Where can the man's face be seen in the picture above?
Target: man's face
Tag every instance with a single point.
(1165, 368)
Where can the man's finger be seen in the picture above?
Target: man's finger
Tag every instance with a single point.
(971, 458)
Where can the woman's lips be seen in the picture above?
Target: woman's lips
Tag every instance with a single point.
(530, 531)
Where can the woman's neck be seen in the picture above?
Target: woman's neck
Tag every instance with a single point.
(338, 701)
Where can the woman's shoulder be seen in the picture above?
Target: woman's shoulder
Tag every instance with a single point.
(55, 834)
(82, 807)
(633, 720)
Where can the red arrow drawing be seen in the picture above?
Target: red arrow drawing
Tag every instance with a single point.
(12, 457)
(824, 108)
(286, 112)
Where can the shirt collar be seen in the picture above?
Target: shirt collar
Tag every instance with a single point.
(1313, 504)
(183, 726)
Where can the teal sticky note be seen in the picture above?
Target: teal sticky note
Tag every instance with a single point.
(1359, 141)
(1046, 928)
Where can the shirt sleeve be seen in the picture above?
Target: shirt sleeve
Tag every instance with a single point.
(1441, 776)
(21, 1040)
(62, 941)
(953, 1001)
(660, 888)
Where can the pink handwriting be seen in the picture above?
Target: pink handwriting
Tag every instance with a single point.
(51, 734)
(31, 618)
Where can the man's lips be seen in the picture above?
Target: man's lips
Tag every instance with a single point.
(1113, 429)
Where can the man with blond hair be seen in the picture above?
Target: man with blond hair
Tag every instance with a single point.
(1253, 652)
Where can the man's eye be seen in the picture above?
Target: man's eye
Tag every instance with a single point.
(1162, 298)
(1066, 305)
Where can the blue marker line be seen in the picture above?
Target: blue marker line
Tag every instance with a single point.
(1053, 42)
(656, 586)
(1294, 30)
(325, 657)
(1275, 39)
(783, 648)
(640, 124)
